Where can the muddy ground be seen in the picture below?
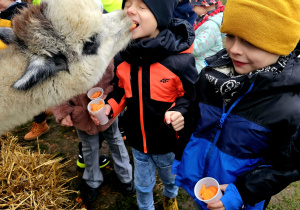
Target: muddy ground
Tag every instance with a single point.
(64, 142)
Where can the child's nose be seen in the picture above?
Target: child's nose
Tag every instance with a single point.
(131, 10)
(236, 47)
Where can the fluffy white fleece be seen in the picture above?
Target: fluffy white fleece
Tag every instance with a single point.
(55, 51)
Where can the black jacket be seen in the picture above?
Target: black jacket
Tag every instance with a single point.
(153, 76)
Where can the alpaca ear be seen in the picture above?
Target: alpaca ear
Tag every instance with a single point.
(99, 4)
(40, 68)
(7, 36)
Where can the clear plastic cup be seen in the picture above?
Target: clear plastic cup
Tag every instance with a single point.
(100, 114)
(209, 182)
(93, 90)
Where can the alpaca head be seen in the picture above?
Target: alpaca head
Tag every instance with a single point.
(66, 36)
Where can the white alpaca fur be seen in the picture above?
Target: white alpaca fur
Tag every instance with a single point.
(46, 64)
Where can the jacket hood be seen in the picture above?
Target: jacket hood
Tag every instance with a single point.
(216, 18)
(287, 80)
(185, 11)
(173, 40)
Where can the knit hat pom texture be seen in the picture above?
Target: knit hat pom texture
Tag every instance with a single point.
(271, 25)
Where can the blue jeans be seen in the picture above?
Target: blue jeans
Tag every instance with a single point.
(144, 177)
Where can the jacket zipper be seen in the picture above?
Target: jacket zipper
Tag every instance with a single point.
(220, 126)
(141, 108)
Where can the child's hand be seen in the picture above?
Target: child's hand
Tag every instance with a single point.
(66, 121)
(175, 119)
(219, 204)
(107, 109)
(95, 120)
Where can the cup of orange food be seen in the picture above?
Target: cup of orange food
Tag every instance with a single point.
(96, 107)
(208, 190)
(96, 92)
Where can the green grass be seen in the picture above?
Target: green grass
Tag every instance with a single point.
(288, 199)
(224, 1)
(63, 142)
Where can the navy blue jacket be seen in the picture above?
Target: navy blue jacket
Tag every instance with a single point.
(185, 11)
(254, 146)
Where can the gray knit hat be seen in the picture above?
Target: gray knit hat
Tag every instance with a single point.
(162, 11)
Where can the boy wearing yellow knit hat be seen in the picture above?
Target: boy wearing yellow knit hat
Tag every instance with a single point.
(248, 135)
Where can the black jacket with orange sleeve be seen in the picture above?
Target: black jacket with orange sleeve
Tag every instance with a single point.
(153, 76)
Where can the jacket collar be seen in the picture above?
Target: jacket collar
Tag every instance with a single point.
(173, 40)
(287, 80)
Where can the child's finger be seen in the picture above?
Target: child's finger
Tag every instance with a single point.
(223, 187)
(175, 116)
(216, 206)
(177, 121)
(178, 126)
(168, 116)
(107, 109)
(70, 122)
(66, 121)
(95, 120)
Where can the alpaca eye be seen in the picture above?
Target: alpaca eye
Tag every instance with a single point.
(90, 47)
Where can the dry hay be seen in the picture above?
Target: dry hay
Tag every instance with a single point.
(31, 180)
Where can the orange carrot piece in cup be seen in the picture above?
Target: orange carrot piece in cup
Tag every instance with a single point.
(96, 94)
(208, 193)
(96, 107)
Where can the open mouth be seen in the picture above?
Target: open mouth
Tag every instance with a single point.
(134, 25)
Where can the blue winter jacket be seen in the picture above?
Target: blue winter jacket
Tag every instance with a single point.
(253, 145)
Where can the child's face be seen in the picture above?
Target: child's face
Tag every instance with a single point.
(246, 57)
(142, 15)
(4, 4)
(201, 10)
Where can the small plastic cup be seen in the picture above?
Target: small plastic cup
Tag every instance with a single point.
(100, 114)
(209, 182)
(93, 90)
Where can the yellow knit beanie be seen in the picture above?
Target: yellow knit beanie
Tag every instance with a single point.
(271, 25)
